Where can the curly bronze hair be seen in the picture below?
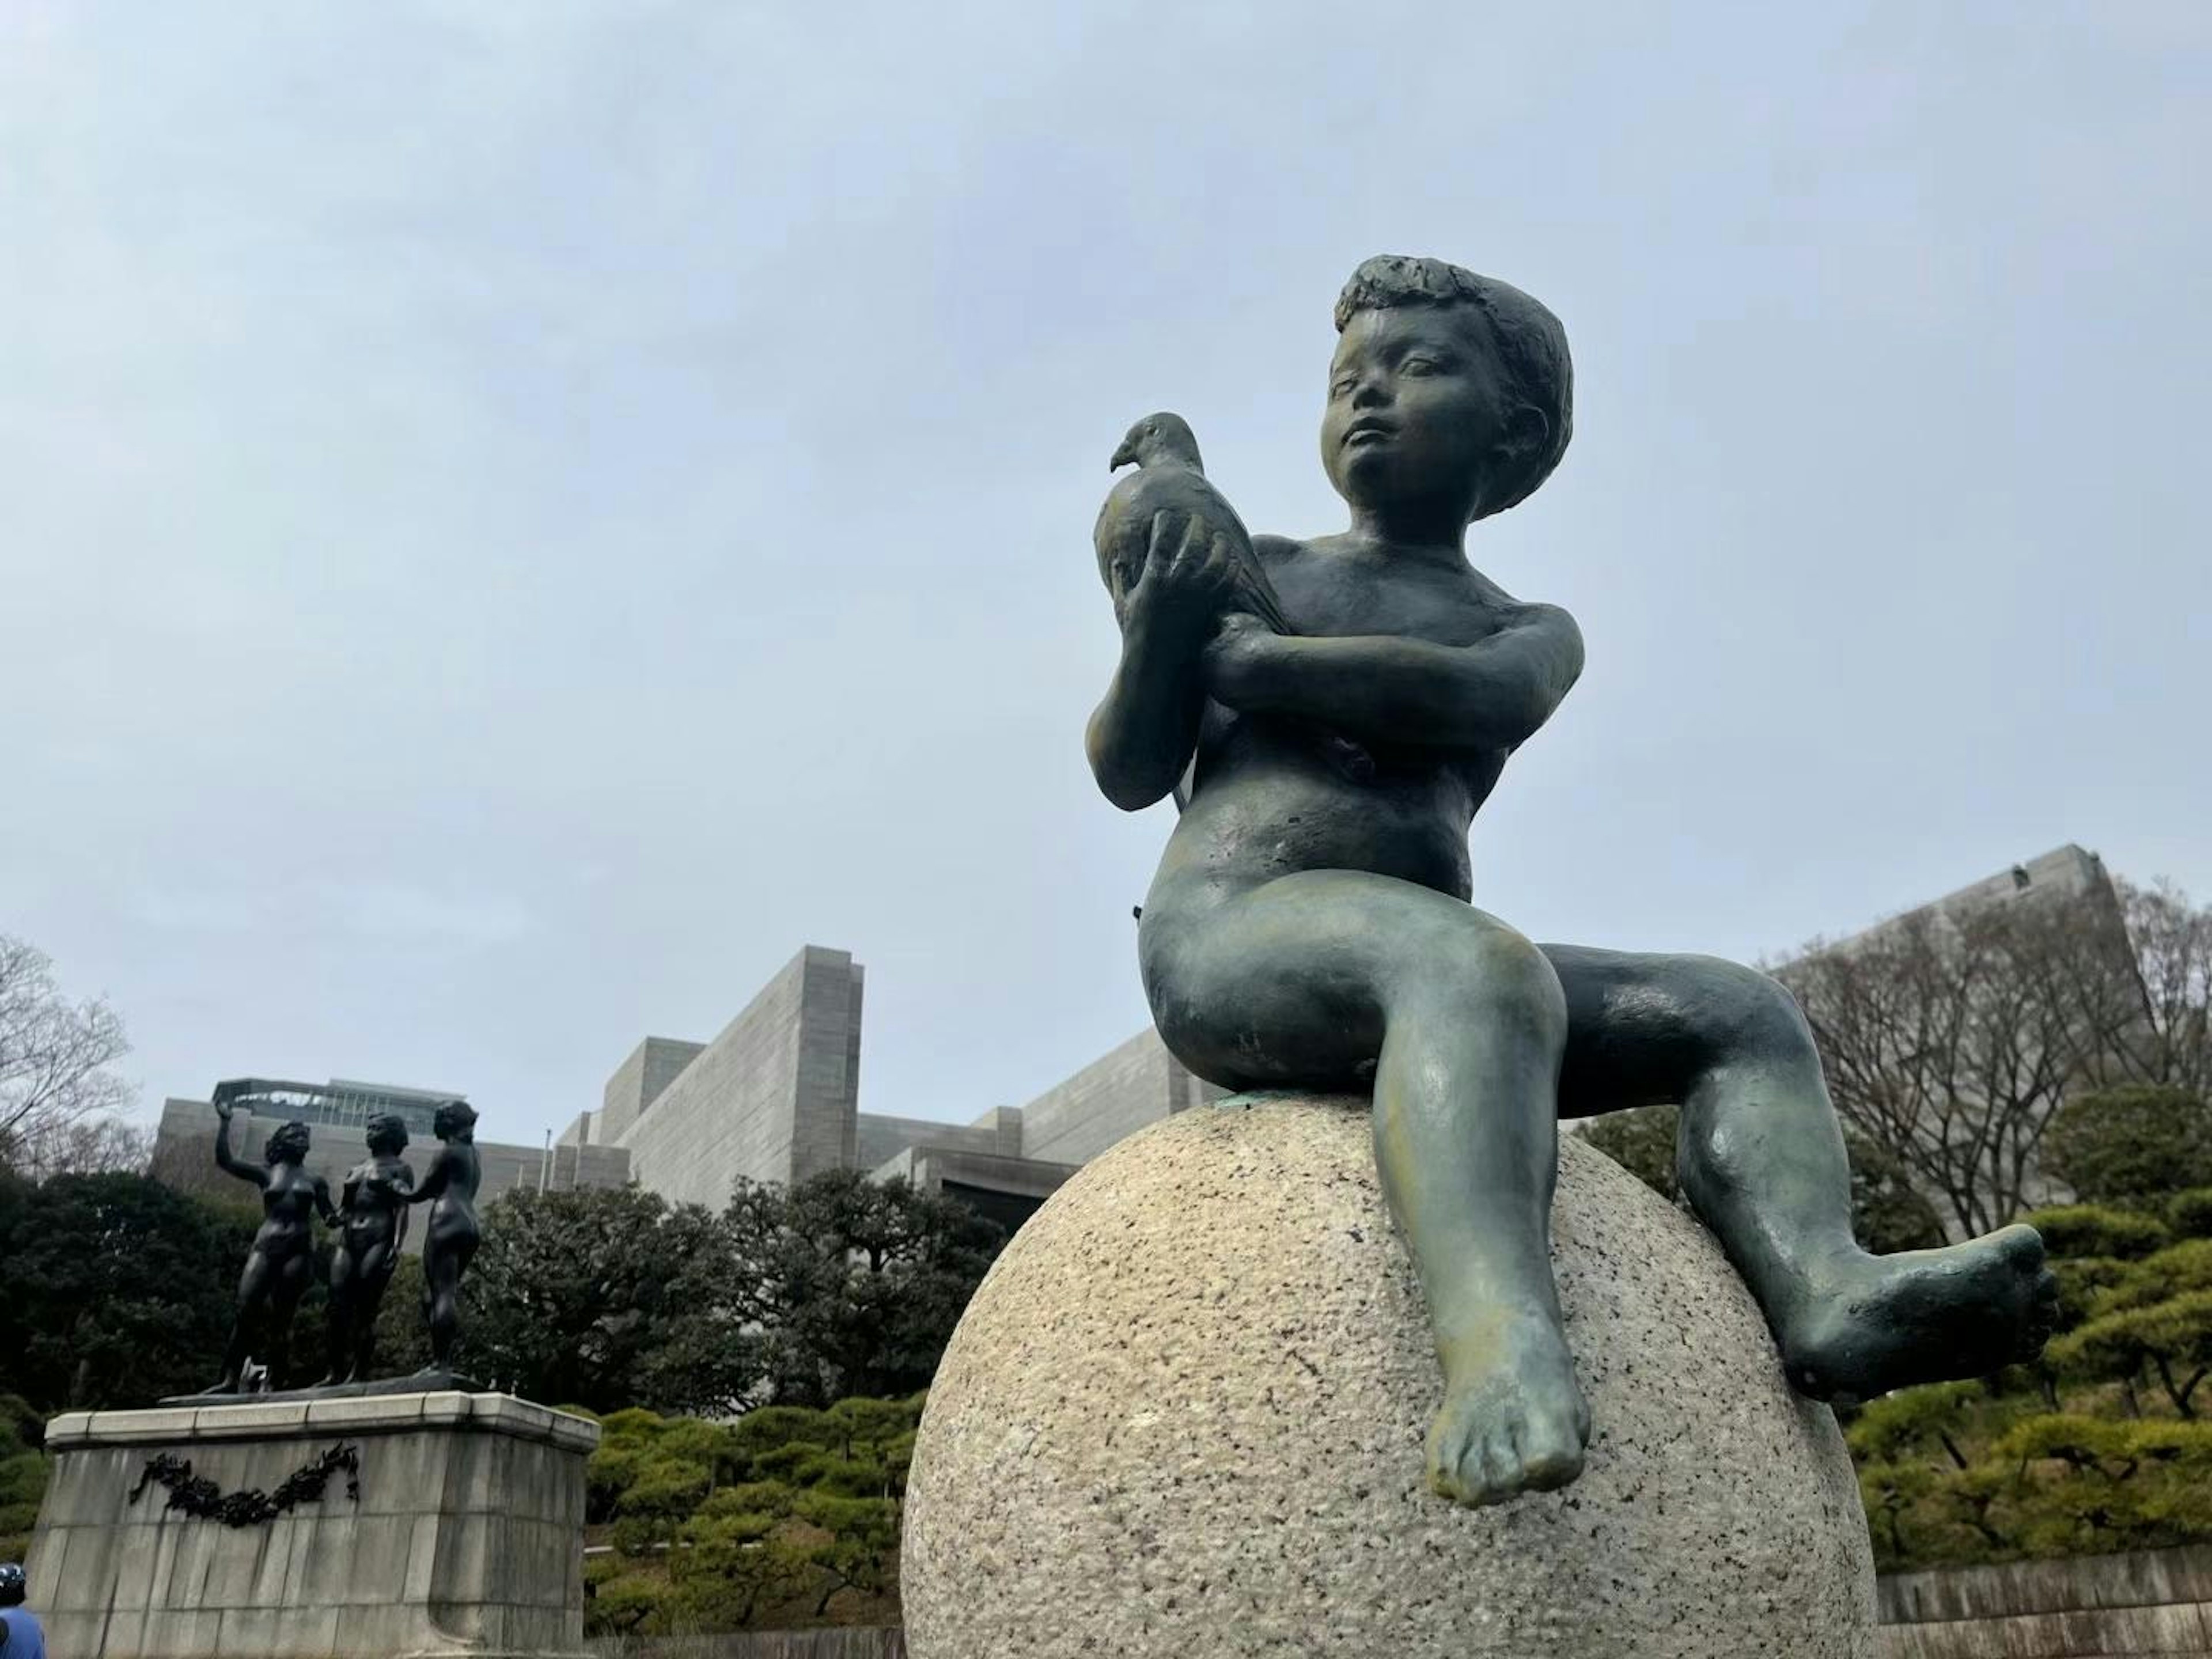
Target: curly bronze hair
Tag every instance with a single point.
(286, 1144)
(1530, 342)
(386, 1133)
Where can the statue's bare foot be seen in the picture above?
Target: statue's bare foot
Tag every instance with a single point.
(1513, 1418)
(1878, 1322)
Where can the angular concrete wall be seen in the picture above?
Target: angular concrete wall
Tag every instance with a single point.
(775, 1098)
(883, 1137)
(1114, 1095)
(639, 1080)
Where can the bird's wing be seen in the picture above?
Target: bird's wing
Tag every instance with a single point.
(1259, 591)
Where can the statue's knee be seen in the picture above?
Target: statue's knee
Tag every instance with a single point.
(1506, 979)
(1746, 1010)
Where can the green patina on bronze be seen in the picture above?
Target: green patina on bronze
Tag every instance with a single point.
(1312, 924)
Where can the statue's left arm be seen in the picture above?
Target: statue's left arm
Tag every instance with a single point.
(1389, 689)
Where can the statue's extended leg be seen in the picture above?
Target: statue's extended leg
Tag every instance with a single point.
(1762, 1159)
(1330, 977)
(343, 1290)
(443, 1263)
(253, 1284)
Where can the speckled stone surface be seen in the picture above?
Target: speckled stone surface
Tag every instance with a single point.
(1185, 1416)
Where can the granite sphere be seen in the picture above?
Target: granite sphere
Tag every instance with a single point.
(1185, 1416)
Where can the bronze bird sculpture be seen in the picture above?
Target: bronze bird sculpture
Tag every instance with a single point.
(1170, 478)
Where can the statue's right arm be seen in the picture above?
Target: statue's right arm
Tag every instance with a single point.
(1142, 735)
(434, 1179)
(231, 1165)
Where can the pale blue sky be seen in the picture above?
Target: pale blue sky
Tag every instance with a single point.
(516, 517)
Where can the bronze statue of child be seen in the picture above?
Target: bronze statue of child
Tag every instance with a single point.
(373, 1214)
(1311, 922)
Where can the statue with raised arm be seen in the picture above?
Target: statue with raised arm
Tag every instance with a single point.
(1311, 923)
(281, 1265)
(373, 1212)
(449, 1187)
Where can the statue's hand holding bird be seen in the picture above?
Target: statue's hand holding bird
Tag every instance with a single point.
(1168, 510)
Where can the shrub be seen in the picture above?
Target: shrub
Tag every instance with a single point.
(2129, 1146)
(2084, 1230)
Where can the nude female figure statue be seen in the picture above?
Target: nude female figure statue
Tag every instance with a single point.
(449, 1187)
(281, 1265)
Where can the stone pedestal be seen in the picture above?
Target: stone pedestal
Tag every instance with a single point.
(1184, 1418)
(466, 1536)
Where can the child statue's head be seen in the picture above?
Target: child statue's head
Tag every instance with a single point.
(1447, 391)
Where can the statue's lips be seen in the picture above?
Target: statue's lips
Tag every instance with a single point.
(1366, 430)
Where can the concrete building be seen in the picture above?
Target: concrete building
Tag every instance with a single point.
(2068, 872)
(776, 1097)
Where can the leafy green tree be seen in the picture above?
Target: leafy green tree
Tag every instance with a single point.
(24, 1469)
(2132, 1145)
(862, 1551)
(2088, 1229)
(2189, 1213)
(855, 1285)
(119, 1289)
(2175, 1271)
(765, 1521)
(403, 1337)
(606, 1299)
(619, 1599)
(738, 1558)
(1886, 1214)
(2171, 1338)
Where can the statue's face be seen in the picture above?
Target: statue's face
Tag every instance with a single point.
(288, 1144)
(1417, 408)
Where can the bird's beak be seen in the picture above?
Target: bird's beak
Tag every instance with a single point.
(1122, 457)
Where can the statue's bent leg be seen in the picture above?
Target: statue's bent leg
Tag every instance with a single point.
(1327, 978)
(1761, 1159)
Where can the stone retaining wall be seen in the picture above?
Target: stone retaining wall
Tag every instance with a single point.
(857, 1644)
(2154, 1604)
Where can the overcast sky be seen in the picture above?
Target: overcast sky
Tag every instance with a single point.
(515, 518)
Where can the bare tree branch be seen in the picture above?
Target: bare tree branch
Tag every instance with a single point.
(53, 1056)
(1952, 1036)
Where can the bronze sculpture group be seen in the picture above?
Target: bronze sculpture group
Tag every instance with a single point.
(1330, 715)
(371, 1220)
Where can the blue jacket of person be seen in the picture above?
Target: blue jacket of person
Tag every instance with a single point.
(21, 1637)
